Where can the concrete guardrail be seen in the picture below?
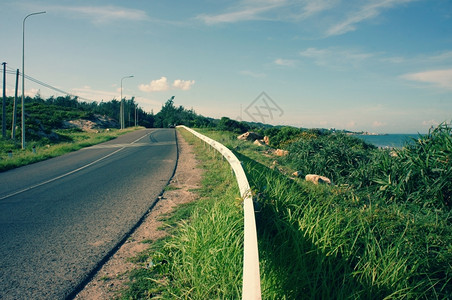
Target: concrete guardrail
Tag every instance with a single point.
(251, 278)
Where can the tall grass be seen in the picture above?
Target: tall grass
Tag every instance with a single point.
(353, 240)
(421, 172)
(203, 257)
(318, 242)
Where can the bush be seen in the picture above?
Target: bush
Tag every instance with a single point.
(421, 172)
(227, 124)
(282, 137)
(336, 156)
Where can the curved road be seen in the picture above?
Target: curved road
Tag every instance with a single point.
(61, 217)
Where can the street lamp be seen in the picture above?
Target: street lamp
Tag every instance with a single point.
(23, 75)
(121, 113)
(136, 115)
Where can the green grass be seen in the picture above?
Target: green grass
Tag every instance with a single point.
(71, 141)
(346, 242)
(171, 188)
(203, 257)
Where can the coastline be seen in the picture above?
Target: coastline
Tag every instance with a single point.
(388, 140)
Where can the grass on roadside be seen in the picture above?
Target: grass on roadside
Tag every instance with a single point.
(12, 156)
(203, 256)
(315, 242)
(322, 242)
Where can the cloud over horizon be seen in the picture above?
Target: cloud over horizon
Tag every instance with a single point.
(439, 78)
(162, 84)
(184, 85)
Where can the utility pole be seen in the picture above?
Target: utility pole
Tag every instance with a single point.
(4, 102)
(13, 126)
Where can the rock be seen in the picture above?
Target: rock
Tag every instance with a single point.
(393, 154)
(316, 179)
(297, 174)
(280, 152)
(267, 140)
(273, 165)
(259, 143)
(249, 136)
(94, 124)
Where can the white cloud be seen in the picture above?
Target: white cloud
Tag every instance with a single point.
(369, 10)
(319, 55)
(160, 85)
(351, 123)
(32, 92)
(336, 57)
(378, 124)
(433, 123)
(245, 14)
(443, 56)
(157, 85)
(102, 14)
(89, 93)
(440, 78)
(285, 62)
(184, 85)
(316, 6)
(275, 10)
(339, 16)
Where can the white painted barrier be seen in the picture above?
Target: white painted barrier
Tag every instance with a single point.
(251, 277)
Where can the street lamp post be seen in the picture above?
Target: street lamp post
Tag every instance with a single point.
(136, 115)
(23, 75)
(121, 108)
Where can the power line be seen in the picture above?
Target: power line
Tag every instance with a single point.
(13, 71)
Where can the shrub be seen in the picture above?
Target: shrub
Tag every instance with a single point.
(421, 172)
(336, 156)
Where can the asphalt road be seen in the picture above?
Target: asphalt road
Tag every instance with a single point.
(61, 217)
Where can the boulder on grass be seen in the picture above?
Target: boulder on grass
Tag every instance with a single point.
(267, 140)
(280, 152)
(316, 179)
(249, 136)
(259, 143)
(297, 174)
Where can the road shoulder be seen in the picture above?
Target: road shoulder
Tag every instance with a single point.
(112, 277)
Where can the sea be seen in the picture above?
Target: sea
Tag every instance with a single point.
(389, 140)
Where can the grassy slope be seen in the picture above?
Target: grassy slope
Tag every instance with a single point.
(332, 242)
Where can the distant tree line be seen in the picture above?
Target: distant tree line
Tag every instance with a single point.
(55, 110)
(48, 114)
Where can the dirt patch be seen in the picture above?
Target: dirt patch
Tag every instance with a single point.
(114, 274)
(96, 123)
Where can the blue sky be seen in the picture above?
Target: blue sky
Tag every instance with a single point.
(379, 66)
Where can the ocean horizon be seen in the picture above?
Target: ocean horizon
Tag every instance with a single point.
(389, 140)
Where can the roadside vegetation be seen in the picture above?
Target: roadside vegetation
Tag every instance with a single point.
(381, 231)
(203, 256)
